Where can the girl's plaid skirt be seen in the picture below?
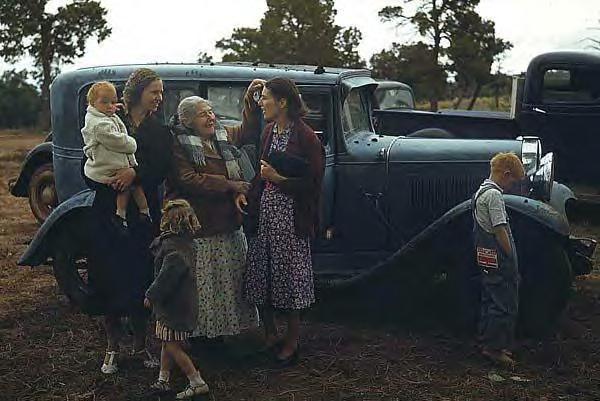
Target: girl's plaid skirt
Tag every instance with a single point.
(165, 333)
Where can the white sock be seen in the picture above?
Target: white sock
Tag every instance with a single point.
(122, 213)
(145, 211)
(164, 376)
(196, 380)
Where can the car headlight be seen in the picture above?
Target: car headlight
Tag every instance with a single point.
(543, 178)
(531, 151)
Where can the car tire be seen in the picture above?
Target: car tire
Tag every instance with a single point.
(545, 289)
(42, 192)
(439, 133)
(70, 255)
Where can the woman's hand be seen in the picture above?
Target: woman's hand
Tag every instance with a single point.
(268, 173)
(122, 179)
(240, 203)
(239, 187)
(147, 303)
(255, 86)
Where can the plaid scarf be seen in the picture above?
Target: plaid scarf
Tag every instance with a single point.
(193, 147)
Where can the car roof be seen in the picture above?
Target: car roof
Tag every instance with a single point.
(385, 84)
(234, 71)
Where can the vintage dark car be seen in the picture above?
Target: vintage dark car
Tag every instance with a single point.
(392, 206)
(558, 101)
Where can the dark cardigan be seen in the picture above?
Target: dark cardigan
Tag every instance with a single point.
(306, 190)
(173, 294)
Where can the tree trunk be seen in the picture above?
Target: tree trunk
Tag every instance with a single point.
(45, 62)
(458, 100)
(475, 96)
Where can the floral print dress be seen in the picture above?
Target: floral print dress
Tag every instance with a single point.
(279, 272)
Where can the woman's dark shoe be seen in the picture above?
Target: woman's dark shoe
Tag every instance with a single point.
(282, 363)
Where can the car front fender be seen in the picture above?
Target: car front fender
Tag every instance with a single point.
(37, 156)
(532, 210)
(40, 247)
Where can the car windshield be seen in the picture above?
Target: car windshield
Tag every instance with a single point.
(356, 113)
(394, 98)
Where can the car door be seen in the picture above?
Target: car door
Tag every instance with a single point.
(566, 115)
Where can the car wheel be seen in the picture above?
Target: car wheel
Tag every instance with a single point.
(545, 288)
(70, 259)
(432, 133)
(42, 192)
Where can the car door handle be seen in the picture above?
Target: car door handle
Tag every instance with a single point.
(538, 110)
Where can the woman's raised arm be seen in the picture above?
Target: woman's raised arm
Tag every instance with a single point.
(248, 131)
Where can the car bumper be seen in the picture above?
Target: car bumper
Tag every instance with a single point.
(581, 251)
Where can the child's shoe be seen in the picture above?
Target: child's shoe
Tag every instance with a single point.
(191, 391)
(120, 225)
(109, 366)
(160, 387)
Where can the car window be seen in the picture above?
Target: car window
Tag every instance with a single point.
(355, 112)
(317, 116)
(227, 102)
(394, 98)
(571, 85)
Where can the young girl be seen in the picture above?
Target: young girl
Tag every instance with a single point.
(108, 148)
(173, 296)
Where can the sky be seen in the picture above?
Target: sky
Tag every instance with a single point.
(147, 31)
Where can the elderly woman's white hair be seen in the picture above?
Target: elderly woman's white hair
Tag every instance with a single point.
(188, 109)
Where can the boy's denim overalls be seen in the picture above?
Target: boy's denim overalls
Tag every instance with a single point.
(499, 284)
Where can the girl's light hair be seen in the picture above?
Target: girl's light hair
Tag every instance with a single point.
(509, 161)
(179, 218)
(92, 94)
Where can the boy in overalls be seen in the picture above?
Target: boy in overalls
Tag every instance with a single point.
(497, 257)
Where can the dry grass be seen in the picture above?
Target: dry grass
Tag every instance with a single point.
(48, 351)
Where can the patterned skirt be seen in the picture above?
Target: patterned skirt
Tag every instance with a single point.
(220, 267)
(279, 270)
(165, 333)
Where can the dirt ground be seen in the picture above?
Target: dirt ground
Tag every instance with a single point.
(49, 351)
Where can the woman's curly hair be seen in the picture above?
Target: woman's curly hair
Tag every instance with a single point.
(179, 218)
(135, 85)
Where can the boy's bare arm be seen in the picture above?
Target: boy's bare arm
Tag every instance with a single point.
(501, 235)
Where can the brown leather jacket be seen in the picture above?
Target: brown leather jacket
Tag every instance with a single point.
(207, 187)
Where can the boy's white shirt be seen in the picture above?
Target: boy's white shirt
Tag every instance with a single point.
(108, 147)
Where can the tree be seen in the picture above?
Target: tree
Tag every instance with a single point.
(50, 39)
(411, 64)
(446, 26)
(473, 49)
(19, 100)
(204, 57)
(296, 32)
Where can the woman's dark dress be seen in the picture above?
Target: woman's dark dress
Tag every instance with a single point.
(121, 268)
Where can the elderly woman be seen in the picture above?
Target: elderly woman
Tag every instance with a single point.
(207, 174)
(283, 208)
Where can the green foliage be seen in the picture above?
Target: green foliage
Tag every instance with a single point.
(412, 65)
(204, 57)
(19, 101)
(454, 38)
(50, 39)
(296, 32)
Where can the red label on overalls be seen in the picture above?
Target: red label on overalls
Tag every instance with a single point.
(487, 258)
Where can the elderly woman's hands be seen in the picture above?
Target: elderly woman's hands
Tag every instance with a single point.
(268, 173)
(239, 187)
(240, 203)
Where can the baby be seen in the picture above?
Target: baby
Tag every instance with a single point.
(109, 148)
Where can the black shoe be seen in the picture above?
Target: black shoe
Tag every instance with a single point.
(289, 361)
(145, 220)
(120, 225)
